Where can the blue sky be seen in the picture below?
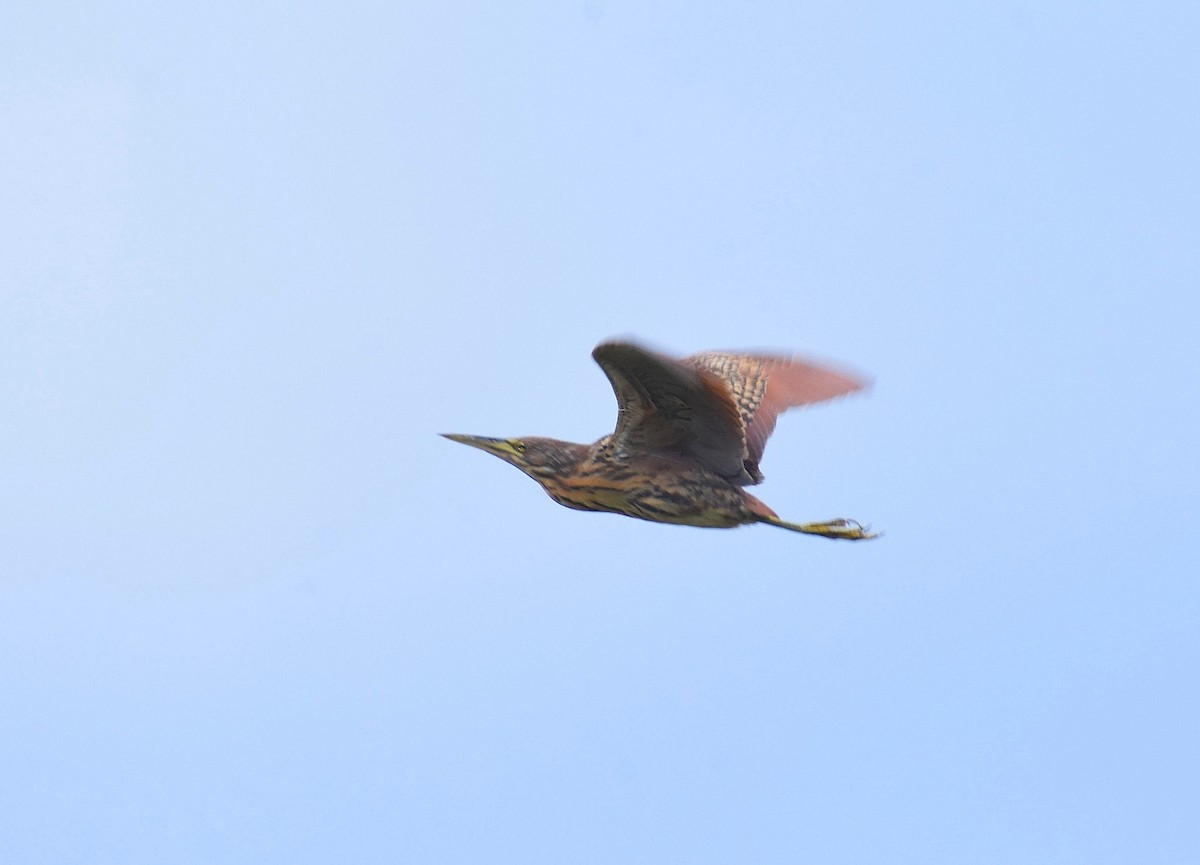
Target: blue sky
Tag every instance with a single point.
(252, 608)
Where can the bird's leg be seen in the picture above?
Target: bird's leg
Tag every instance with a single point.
(844, 530)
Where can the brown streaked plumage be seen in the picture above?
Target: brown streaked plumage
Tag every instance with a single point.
(690, 434)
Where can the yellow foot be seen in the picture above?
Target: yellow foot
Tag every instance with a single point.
(843, 530)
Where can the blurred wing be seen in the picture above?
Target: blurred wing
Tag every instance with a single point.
(764, 387)
(667, 406)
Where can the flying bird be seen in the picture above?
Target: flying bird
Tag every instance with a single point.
(690, 435)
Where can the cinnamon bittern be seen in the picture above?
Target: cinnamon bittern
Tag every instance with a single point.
(690, 434)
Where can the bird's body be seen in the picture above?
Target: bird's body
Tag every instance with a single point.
(690, 434)
(654, 487)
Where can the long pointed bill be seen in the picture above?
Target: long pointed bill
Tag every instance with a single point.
(498, 447)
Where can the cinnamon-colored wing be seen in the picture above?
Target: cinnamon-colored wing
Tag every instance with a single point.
(667, 406)
(764, 387)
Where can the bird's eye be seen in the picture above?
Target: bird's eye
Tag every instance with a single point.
(518, 446)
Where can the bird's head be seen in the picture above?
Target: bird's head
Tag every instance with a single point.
(540, 458)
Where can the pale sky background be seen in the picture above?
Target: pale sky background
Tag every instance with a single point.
(252, 260)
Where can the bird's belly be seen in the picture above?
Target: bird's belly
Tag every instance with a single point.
(698, 500)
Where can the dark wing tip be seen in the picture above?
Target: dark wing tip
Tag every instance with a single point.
(617, 348)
